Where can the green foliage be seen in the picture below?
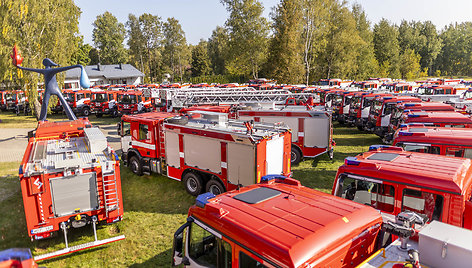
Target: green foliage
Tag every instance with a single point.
(176, 55)
(367, 65)
(248, 37)
(144, 41)
(82, 53)
(216, 49)
(386, 47)
(108, 36)
(456, 55)
(410, 64)
(218, 78)
(341, 46)
(286, 48)
(41, 29)
(200, 60)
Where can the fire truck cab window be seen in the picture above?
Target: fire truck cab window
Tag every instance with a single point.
(110, 97)
(423, 203)
(457, 152)
(467, 153)
(377, 195)
(143, 132)
(422, 148)
(126, 129)
(208, 250)
(246, 261)
(80, 96)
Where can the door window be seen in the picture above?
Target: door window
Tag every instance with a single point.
(422, 148)
(378, 195)
(208, 250)
(423, 203)
(143, 132)
(457, 152)
(246, 261)
(125, 129)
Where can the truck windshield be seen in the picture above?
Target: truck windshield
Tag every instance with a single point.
(69, 97)
(208, 250)
(376, 106)
(127, 99)
(467, 94)
(100, 97)
(367, 102)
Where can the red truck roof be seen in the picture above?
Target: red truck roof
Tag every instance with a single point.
(297, 224)
(437, 117)
(442, 173)
(399, 98)
(209, 108)
(148, 117)
(439, 135)
(427, 106)
(48, 130)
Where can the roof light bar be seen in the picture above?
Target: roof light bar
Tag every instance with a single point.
(202, 199)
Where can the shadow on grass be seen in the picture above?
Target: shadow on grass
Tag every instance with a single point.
(154, 193)
(162, 259)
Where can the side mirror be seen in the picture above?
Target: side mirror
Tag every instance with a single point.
(178, 257)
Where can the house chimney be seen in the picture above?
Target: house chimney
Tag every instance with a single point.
(98, 66)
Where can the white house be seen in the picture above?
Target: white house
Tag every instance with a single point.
(105, 74)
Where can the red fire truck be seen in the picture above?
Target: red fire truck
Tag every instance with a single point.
(104, 102)
(78, 100)
(312, 130)
(360, 111)
(435, 118)
(69, 177)
(133, 101)
(393, 180)
(381, 112)
(204, 150)
(345, 106)
(277, 223)
(435, 140)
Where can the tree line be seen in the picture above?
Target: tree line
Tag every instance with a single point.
(301, 42)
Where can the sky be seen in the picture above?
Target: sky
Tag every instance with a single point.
(200, 17)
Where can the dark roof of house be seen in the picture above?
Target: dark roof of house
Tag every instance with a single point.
(112, 71)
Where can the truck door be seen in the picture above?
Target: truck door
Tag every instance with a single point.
(275, 155)
(387, 114)
(317, 131)
(125, 133)
(204, 247)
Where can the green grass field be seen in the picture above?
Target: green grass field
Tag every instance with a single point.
(154, 206)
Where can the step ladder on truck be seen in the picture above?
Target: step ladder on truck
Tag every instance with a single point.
(69, 174)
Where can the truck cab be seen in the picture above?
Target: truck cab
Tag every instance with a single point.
(78, 100)
(104, 102)
(276, 223)
(381, 112)
(133, 101)
(363, 110)
(435, 140)
(393, 180)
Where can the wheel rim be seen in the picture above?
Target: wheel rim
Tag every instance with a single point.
(86, 112)
(192, 184)
(214, 189)
(134, 166)
(293, 156)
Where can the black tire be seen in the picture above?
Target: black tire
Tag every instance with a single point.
(135, 166)
(98, 115)
(215, 187)
(114, 113)
(180, 120)
(295, 156)
(86, 111)
(193, 183)
(360, 128)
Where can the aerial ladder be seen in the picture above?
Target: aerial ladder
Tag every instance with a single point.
(185, 97)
